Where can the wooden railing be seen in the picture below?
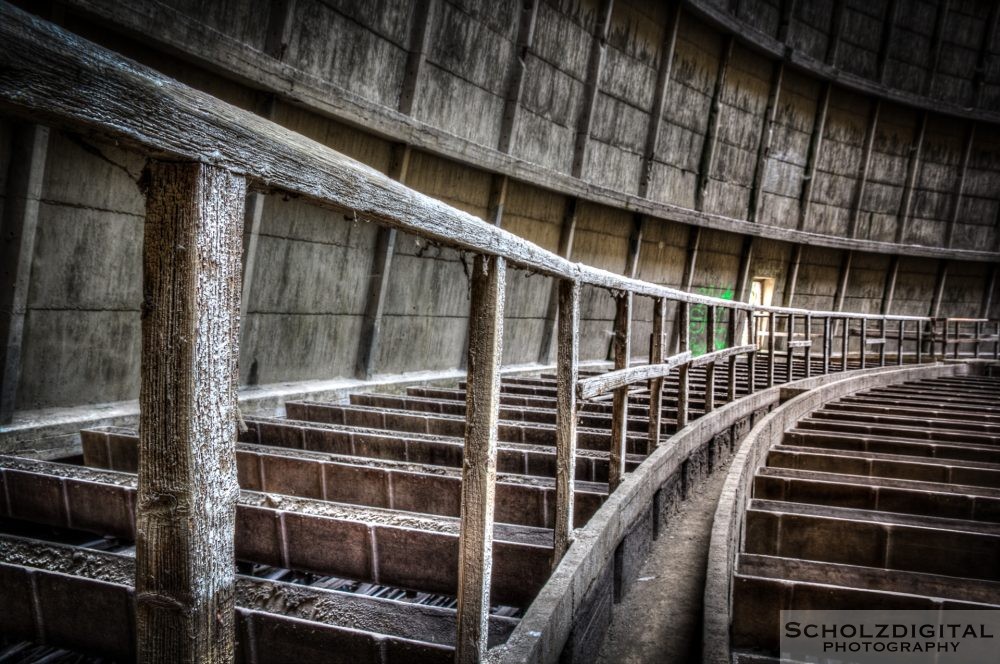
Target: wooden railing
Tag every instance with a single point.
(205, 154)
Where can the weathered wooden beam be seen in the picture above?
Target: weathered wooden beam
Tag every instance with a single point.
(939, 284)
(566, 233)
(935, 53)
(885, 41)
(988, 289)
(792, 276)
(709, 145)
(609, 381)
(864, 167)
(186, 504)
(963, 169)
(657, 354)
(280, 19)
(26, 170)
(910, 183)
(836, 29)
(515, 81)
(766, 138)
(889, 289)
(567, 373)
(659, 98)
(815, 146)
(983, 58)
(421, 19)
(479, 467)
(378, 281)
(592, 87)
(619, 414)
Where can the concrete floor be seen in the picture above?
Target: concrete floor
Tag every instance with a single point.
(660, 619)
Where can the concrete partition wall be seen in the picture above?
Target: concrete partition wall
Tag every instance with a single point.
(727, 528)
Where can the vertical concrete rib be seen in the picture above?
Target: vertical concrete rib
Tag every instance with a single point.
(909, 185)
(743, 275)
(889, 289)
(885, 41)
(936, 41)
(279, 28)
(843, 279)
(479, 467)
(988, 289)
(592, 86)
(420, 33)
(659, 99)
(836, 28)
(26, 170)
(792, 276)
(764, 144)
(708, 146)
(864, 167)
(187, 489)
(566, 234)
(378, 281)
(963, 169)
(939, 284)
(687, 279)
(254, 208)
(983, 57)
(815, 147)
(515, 81)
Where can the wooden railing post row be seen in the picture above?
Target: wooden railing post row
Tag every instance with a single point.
(684, 371)
(710, 367)
(619, 407)
(567, 372)
(187, 486)
(730, 342)
(656, 356)
(770, 349)
(479, 465)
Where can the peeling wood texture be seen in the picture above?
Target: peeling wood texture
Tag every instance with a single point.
(28, 151)
(185, 517)
(479, 465)
(566, 380)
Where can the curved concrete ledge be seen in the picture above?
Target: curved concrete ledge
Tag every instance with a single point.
(727, 528)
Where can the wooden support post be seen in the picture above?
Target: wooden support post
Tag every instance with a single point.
(910, 183)
(983, 58)
(752, 323)
(515, 81)
(420, 34)
(619, 408)
(657, 355)
(881, 347)
(936, 41)
(815, 147)
(730, 342)
(567, 372)
(764, 143)
(708, 147)
(808, 351)
(792, 278)
(26, 170)
(864, 167)
(920, 342)
(900, 340)
(956, 345)
(684, 371)
(864, 341)
(885, 42)
(592, 85)
(479, 465)
(378, 281)
(186, 502)
(845, 348)
(836, 28)
(710, 311)
(770, 348)
(790, 349)
(963, 169)
(996, 341)
(566, 234)
(979, 335)
(279, 28)
(827, 345)
(659, 99)
(945, 339)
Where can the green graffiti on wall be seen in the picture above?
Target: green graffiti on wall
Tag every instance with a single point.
(699, 318)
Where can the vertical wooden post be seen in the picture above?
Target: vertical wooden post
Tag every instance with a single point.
(479, 465)
(996, 341)
(864, 341)
(566, 234)
(567, 356)
(186, 505)
(752, 358)
(789, 349)
(900, 338)
(845, 343)
(881, 349)
(956, 345)
(684, 371)
(827, 345)
(920, 342)
(730, 342)
(619, 408)
(710, 367)
(656, 356)
(808, 351)
(770, 349)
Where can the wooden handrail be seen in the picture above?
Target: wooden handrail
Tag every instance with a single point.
(715, 356)
(589, 388)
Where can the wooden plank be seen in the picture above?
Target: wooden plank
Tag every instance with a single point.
(812, 159)
(186, 505)
(26, 170)
(378, 281)
(479, 467)
(567, 374)
(765, 141)
(771, 348)
(515, 82)
(420, 33)
(659, 98)
(827, 345)
(865, 166)
(845, 343)
(963, 169)
(800, 343)
(708, 146)
(790, 348)
(715, 356)
(592, 85)
(619, 408)
(657, 355)
(566, 233)
(595, 386)
(910, 183)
